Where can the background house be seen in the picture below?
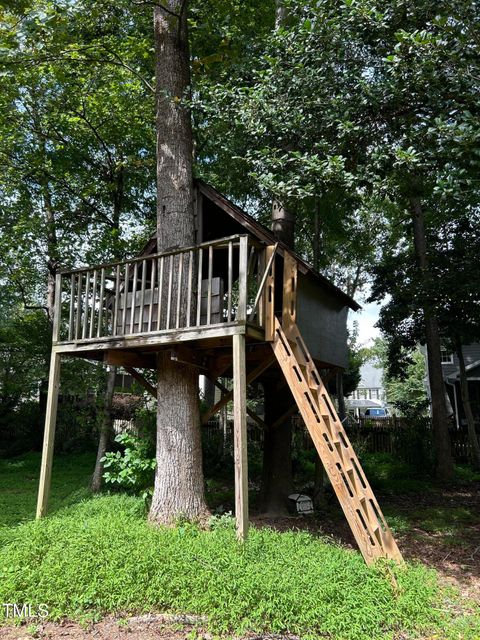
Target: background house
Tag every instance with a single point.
(451, 376)
(370, 391)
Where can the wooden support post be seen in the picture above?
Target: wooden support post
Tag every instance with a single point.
(289, 313)
(141, 381)
(49, 435)
(240, 436)
(269, 295)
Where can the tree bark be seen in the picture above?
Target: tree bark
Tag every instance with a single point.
(179, 488)
(105, 431)
(277, 477)
(467, 407)
(444, 461)
(283, 224)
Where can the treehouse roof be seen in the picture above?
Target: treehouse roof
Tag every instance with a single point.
(256, 229)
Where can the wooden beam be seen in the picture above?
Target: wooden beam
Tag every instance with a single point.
(293, 409)
(142, 381)
(289, 312)
(256, 418)
(184, 355)
(253, 375)
(269, 297)
(240, 437)
(124, 358)
(49, 435)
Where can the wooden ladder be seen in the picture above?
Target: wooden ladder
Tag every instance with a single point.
(356, 497)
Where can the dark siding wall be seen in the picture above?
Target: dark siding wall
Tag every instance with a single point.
(322, 319)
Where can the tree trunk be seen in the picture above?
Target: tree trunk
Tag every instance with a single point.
(277, 478)
(105, 431)
(283, 224)
(444, 461)
(472, 434)
(178, 490)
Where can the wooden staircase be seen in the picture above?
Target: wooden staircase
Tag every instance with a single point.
(356, 497)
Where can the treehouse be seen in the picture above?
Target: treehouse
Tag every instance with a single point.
(237, 304)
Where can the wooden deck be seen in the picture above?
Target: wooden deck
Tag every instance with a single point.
(202, 293)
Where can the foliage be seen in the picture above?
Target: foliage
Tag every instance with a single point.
(321, 589)
(405, 385)
(132, 469)
(19, 485)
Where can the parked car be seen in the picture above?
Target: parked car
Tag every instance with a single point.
(376, 412)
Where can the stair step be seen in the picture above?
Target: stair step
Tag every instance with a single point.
(322, 422)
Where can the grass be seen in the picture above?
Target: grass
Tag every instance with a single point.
(98, 555)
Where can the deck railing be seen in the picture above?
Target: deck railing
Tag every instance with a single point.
(207, 284)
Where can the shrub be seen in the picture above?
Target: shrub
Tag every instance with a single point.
(133, 468)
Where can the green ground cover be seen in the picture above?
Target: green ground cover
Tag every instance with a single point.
(97, 555)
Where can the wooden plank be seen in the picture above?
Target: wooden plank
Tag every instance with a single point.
(230, 281)
(253, 375)
(199, 286)
(220, 330)
(179, 291)
(125, 358)
(356, 498)
(240, 437)
(142, 296)
(71, 314)
(256, 418)
(125, 299)
(152, 287)
(263, 281)
(209, 288)
(242, 280)
(221, 242)
(142, 381)
(269, 298)
(57, 315)
(117, 300)
(94, 295)
(79, 307)
(86, 308)
(160, 293)
(289, 312)
(190, 288)
(101, 303)
(49, 435)
(169, 292)
(134, 294)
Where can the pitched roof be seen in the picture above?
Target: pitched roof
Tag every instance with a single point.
(263, 234)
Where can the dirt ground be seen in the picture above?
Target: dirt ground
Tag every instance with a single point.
(454, 551)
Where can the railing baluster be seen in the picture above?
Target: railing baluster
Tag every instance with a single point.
(152, 289)
(142, 296)
(179, 289)
(94, 295)
(117, 301)
(57, 317)
(101, 303)
(134, 293)
(85, 311)
(230, 281)
(125, 299)
(169, 295)
(79, 306)
(209, 291)
(72, 307)
(242, 280)
(199, 292)
(160, 294)
(189, 287)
